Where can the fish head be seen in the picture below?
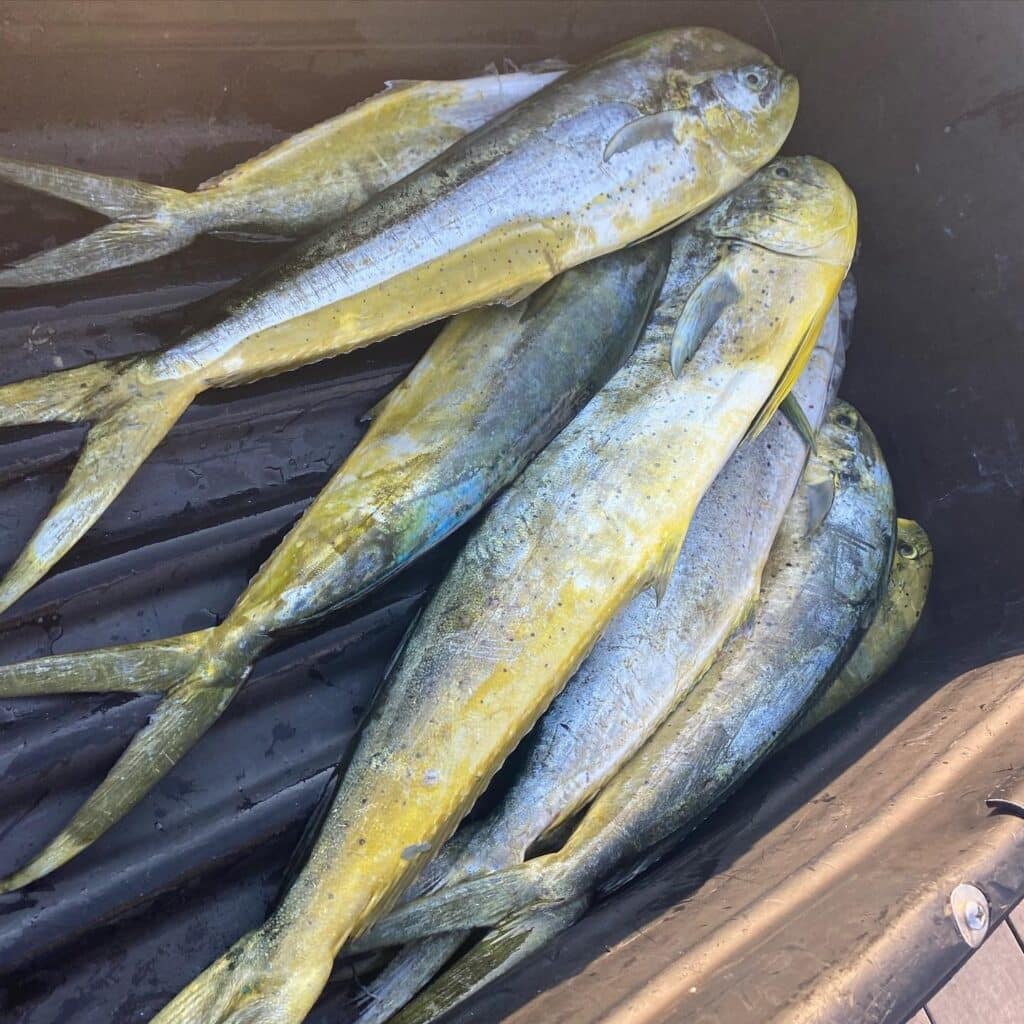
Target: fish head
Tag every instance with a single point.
(748, 110)
(914, 549)
(862, 516)
(796, 206)
(848, 446)
(746, 103)
(848, 438)
(703, 83)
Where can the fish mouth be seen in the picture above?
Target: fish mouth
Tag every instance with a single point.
(819, 252)
(789, 99)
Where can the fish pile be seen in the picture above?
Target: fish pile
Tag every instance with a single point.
(684, 551)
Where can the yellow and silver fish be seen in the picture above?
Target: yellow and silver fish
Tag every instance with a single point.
(894, 623)
(733, 718)
(607, 154)
(291, 190)
(648, 659)
(827, 573)
(493, 389)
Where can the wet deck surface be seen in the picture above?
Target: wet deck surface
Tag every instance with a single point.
(989, 988)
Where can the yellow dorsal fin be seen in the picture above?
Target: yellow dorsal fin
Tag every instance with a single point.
(790, 375)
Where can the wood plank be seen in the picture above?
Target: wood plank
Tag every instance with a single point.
(1017, 922)
(988, 989)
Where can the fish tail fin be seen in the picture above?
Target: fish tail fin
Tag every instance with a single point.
(61, 397)
(503, 948)
(150, 221)
(204, 998)
(130, 417)
(153, 666)
(411, 969)
(198, 674)
(248, 986)
(476, 903)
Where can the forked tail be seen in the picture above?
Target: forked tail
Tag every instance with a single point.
(252, 983)
(412, 967)
(150, 221)
(130, 413)
(476, 903)
(198, 678)
(496, 954)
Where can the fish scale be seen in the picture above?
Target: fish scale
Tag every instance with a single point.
(289, 190)
(433, 456)
(524, 933)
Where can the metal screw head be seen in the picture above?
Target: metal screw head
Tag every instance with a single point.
(970, 913)
(976, 916)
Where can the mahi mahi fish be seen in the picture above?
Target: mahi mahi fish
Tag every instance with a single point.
(522, 934)
(609, 153)
(891, 629)
(646, 661)
(289, 191)
(598, 517)
(493, 389)
(828, 570)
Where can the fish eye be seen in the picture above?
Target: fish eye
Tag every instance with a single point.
(755, 80)
(906, 549)
(781, 171)
(845, 419)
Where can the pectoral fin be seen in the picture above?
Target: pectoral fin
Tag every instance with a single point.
(716, 293)
(820, 487)
(660, 127)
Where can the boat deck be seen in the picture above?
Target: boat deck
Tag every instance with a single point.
(989, 987)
